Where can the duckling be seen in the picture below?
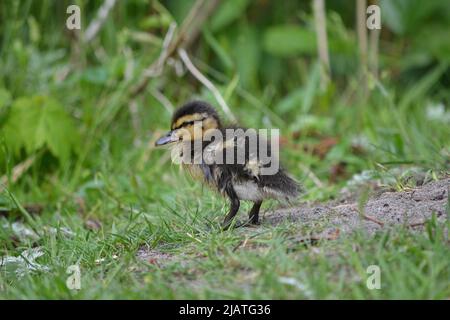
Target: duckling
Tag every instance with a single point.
(229, 164)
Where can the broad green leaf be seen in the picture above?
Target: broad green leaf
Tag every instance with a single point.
(408, 16)
(289, 40)
(429, 43)
(179, 9)
(247, 54)
(38, 122)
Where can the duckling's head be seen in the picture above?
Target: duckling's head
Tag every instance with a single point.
(190, 122)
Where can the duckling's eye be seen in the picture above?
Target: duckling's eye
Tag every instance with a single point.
(188, 123)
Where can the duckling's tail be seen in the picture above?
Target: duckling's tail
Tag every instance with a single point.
(281, 186)
(292, 188)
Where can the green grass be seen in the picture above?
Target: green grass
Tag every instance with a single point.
(143, 205)
(141, 201)
(203, 262)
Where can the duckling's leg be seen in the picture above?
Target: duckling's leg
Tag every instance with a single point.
(253, 215)
(235, 203)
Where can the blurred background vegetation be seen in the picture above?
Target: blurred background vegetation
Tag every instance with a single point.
(72, 107)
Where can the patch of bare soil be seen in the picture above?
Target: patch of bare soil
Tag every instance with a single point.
(411, 208)
(330, 219)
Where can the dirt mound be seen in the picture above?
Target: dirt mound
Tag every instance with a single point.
(412, 207)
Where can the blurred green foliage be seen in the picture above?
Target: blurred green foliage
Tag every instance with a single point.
(37, 122)
(105, 192)
(56, 90)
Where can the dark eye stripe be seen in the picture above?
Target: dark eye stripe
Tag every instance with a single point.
(188, 123)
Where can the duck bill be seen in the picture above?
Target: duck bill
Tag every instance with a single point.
(169, 137)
